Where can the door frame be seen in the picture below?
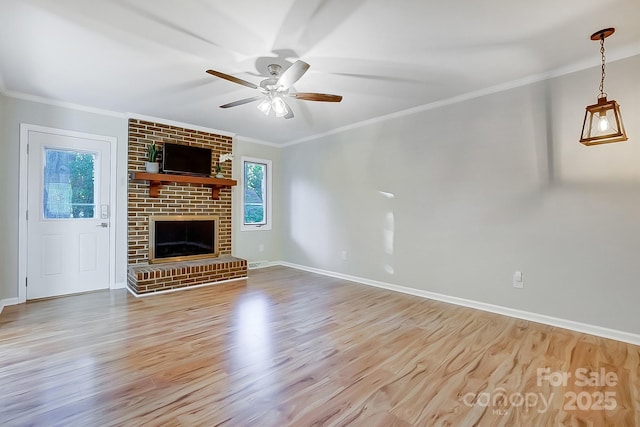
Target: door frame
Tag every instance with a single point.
(25, 128)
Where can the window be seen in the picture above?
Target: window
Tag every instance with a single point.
(256, 194)
(68, 185)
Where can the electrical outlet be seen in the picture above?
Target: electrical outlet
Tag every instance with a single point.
(343, 255)
(261, 247)
(518, 280)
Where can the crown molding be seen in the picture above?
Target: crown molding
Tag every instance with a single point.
(258, 141)
(620, 54)
(63, 104)
(178, 124)
(613, 56)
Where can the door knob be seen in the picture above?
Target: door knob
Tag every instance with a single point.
(103, 225)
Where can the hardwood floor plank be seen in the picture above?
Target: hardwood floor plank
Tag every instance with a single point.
(287, 347)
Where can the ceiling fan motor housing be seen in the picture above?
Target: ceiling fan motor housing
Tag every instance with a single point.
(274, 69)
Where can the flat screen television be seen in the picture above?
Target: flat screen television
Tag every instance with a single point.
(186, 160)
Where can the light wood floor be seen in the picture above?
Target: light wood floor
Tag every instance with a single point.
(288, 347)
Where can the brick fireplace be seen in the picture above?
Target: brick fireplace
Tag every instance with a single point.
(184, 199)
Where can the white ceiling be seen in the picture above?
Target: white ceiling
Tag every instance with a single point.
(149, 56)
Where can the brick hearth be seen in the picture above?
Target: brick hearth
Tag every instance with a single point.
(170, 276)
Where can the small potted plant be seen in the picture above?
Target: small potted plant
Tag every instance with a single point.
(152, 164)
(221, 159)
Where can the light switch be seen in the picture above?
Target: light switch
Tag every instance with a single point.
(518, 280)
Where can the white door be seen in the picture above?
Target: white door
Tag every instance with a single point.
(68, 215)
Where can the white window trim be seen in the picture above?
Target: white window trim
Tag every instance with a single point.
(251, 227)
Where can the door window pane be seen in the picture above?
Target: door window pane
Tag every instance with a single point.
(69, 184)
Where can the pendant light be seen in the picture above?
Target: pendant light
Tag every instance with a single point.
(602, 121)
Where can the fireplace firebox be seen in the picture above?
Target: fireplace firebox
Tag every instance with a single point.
(182, 237)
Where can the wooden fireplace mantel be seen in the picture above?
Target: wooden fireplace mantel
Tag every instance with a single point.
(156, 180)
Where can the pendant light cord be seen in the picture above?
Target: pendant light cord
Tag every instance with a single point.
(602, 94)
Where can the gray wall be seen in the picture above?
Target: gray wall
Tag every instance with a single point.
(18, 111)
(454, 200)
(246, 244)
(8, 226)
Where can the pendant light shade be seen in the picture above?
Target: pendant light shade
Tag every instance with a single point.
(602, 121)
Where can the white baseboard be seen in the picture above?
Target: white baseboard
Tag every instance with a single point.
(254, 265)
(506, 311)
(119, 285)
(8, 301)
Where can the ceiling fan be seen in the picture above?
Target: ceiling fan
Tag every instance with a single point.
(275, 88)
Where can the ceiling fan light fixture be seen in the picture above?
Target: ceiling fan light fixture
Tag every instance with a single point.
(602, 121)
(279, 106)
(265, 106)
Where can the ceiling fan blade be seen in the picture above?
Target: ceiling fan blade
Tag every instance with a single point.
(292, 74)
(324, 97)
(232, 79)
(241, 102)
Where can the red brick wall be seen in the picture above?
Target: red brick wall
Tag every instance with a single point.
(175, 198)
